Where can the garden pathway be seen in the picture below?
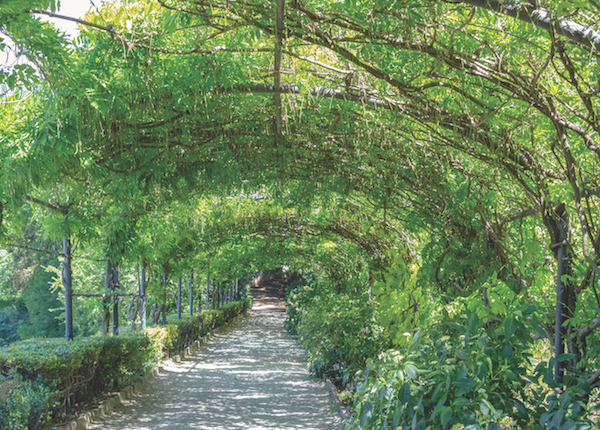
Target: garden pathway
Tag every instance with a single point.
(251, 376)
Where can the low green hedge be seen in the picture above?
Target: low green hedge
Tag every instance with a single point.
(191, 328)
(44, 377)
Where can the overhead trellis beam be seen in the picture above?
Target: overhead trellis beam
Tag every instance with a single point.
(542, 18)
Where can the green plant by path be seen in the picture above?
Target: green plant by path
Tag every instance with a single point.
(458, 374)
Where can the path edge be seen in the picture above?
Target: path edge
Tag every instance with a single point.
(107, 406)
(342, 411)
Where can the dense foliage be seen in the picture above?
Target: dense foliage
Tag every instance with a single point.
(420, 159)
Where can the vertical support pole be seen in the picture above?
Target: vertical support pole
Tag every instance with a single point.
(207, 291)
(67, 283)
(191, 292)
(560, 299)
(214, 295)
(114, 288)
(143, 294)
(179, 298)
(237, 289)
(164, 305)
(105, 300)
(217, 296)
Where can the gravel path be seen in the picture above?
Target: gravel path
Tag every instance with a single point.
(252, 376)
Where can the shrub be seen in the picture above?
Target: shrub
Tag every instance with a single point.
(24, 404)
(461, 372)
(78, 369)
(338, 330)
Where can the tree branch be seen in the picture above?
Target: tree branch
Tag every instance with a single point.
(593, 378)
(584, 331)
(31, 248)
(523, 214)
(109, 28)
(542, 18)
(57, 208)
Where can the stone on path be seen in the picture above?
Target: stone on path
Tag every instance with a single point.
(253, 376)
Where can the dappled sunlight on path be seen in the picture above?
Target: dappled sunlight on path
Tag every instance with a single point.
(252, 376)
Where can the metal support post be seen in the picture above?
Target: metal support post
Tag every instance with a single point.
(179, 298)
(67, 283)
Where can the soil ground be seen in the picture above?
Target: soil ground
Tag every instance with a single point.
(268, 294)
(251, 376)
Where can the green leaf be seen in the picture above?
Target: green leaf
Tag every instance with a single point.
(510, 327)
(446, 415)
(484, 408)
(564, 357)
(397, 416)
(465, 384)
(412, 371)
(461, 402)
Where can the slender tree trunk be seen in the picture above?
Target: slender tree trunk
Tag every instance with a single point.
(561, 226)
(132, 315)
(67, 283)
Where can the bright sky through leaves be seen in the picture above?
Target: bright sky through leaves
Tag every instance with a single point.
(70, 8)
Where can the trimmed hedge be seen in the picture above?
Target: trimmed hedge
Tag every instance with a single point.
(78, 371)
